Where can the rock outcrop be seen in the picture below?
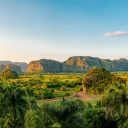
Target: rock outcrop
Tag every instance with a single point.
(81, 64)
(44, 65)
(77, 64)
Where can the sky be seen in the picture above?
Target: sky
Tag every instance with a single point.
(57, 29)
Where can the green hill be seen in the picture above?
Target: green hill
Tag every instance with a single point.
(97, 80)
(76, 64)
(10, 66)
(7, 73)
(44, 65)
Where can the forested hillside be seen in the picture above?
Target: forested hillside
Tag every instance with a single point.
(23, 65)
(10, 66)
(77, 64)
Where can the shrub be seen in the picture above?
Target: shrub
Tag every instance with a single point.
(45, 85)
(81, 89)
(67, 94)
(95, 118)
(63, 88)
(51, 90)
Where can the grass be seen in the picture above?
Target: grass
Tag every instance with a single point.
(94, 95)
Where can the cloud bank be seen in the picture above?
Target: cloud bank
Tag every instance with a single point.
(118, 33)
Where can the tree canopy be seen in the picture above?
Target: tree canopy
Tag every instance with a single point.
(7, 73)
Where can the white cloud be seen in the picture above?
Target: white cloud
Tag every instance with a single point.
(118, 33)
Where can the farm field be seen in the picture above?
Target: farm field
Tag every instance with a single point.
(71, 82)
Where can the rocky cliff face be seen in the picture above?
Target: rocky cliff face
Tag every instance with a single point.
(81, 64)
(44, 65)
(11, 67)
(78, 64)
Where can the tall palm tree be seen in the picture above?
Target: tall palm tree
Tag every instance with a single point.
(116, 102)
(13, 103)
(66, 114)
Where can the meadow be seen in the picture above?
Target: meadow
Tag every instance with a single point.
(53, 82)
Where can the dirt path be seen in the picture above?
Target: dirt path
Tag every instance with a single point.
(53, 99)
(84, 96)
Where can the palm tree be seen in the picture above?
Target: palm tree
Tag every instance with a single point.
(13, 103)
(116, 102)
(66, 114)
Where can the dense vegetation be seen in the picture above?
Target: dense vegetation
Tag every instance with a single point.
(96, 80)
(19, 109)
(7, 73)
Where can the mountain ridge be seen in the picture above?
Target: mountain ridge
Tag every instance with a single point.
(23, 65)
(77, 64)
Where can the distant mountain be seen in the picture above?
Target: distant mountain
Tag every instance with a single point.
(23, 65)
(10, 66)
(86, 63)
(77, 64)
(44, 65)
(81, 64)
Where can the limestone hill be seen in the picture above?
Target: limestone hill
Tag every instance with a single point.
(11, 67)
(77, 64)
(23, 65)
(44, 65)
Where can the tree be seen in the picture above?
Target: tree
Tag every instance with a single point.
(66, 114)
(33, 120)
(7, 73)
(63, 88)
(95, 118)
(97, 80)
(13, 104)
(115, 100)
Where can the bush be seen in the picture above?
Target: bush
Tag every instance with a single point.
(45, 85)
(67, 94)
(33, 120)
(81, 89)
(63, 88)
(51, 90)
(95, 118)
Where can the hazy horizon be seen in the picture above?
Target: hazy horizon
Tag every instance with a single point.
(63, 60)
(33, 30)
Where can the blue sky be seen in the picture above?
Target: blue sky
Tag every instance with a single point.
(58, 29)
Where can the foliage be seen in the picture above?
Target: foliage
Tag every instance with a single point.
(67, 94)
(63, 88)
(95, 118)
(33, 120)
(81, 89)
(66, 114)
(115, 101)
(51, 90)
(7, 73)
(97, 80)
(13, 101)
(41, 93)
